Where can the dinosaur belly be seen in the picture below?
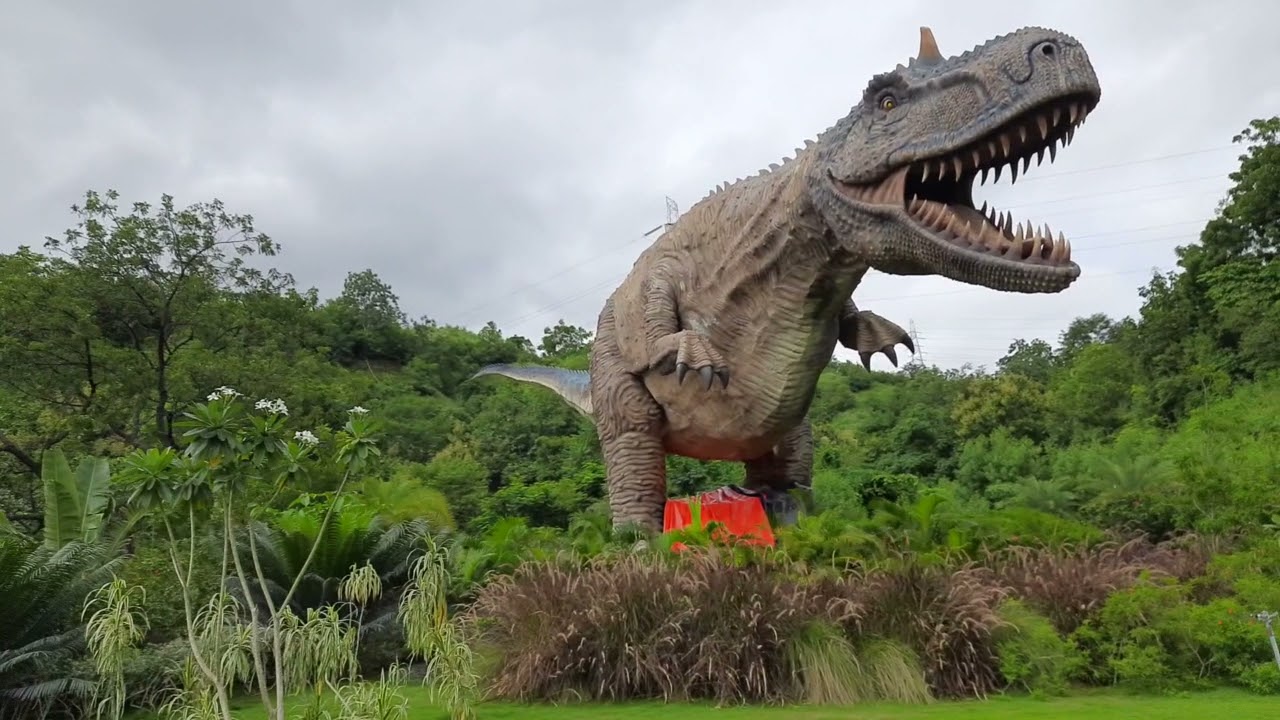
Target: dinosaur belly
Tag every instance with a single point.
(770, 389)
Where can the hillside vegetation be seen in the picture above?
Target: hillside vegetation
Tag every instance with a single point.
(1100, 510)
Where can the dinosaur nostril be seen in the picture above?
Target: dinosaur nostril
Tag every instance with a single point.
(1047, 49)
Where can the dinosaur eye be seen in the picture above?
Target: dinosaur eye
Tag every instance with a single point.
(888, 102)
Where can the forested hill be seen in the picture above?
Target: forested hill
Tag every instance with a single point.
(1163, 422)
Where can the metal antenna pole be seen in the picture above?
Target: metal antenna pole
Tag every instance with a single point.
(915, 338)
(1266, 618)
(673, 212)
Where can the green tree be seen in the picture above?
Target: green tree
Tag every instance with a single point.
(149, 280)
(366, 322)
(563, 340)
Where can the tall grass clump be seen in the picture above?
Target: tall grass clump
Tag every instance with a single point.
(948, 616)
(830, 670)
(705, 626)
(1068, 584)
(641, 626)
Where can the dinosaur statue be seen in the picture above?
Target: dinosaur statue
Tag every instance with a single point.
(750, 290)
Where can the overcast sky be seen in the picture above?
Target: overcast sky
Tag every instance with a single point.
(501, 162)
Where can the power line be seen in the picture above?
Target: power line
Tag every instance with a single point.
(612, 280)
(672, 213)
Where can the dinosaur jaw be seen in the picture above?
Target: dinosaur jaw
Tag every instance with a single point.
(934, 197)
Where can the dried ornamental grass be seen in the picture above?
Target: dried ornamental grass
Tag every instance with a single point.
(639, 627)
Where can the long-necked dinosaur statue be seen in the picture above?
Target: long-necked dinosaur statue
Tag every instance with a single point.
(747, 294)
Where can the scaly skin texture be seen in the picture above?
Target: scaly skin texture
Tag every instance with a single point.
(712, 346)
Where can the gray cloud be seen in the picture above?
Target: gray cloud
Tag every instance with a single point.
(501, 160)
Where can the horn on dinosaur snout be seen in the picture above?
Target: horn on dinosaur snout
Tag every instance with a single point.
(929, 53)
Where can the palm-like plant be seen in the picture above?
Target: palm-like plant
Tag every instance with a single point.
(354, 537)
(43, 589)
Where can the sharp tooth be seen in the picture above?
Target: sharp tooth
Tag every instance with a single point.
(951, 223)
(942, 169)
(1004, 143)
(924, 172)
(1013, 169)
(984, 176)
(1022, 133)
(991, 145)
(997, 178)
(1037, 246)
(1039, 157)
(1073, 110)
(989, 237)
(917, 205)
(1006, 222)
(1053, 151)
(1043, 124)
(983, 211)
(1071, 132)
(1057, 114)
(958, 165)
(1026, 163)
(1022, 231)
(1055, 252)
(1066, 250)
(977, 158)
(930, 209)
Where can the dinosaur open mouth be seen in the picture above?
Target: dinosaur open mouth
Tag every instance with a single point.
(937, 192)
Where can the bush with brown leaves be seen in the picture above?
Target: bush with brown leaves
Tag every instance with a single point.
(642, 627)
(700, 627)
(1068, 584)
(947, 615)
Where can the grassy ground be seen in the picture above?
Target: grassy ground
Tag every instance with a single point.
(1091, 706)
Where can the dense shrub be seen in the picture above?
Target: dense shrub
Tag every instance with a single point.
(703, 626)
(1069, 583)
(1034, 658)
(1154, 636)
(637, 626)
(946, 615)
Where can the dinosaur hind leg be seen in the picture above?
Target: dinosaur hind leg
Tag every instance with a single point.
(630, 425)
(788, 467)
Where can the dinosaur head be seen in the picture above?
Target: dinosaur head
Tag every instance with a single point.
(894, 178)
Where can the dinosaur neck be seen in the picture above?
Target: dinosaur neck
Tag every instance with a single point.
(779, 239)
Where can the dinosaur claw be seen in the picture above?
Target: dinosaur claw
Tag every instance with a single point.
(909, 344)
(866, 359)
(684, 351)
(890, 353)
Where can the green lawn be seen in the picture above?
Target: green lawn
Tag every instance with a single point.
(1224, 704)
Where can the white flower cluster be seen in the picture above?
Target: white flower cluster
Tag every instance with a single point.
(222, 392)
(306, 437)
(357, 410)
(276, 406)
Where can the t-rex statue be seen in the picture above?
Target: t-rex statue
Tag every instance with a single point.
(748, 292)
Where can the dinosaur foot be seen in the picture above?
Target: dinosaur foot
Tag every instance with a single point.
(685, 351)
(869, 333)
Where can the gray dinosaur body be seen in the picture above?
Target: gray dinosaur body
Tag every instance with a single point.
(712, 346)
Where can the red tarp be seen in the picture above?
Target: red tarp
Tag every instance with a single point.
(739, 514)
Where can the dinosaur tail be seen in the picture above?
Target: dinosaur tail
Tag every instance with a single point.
(572, 385)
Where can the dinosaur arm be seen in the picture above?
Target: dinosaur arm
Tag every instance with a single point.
(672, 348)
(868, 333)
(661, 309)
